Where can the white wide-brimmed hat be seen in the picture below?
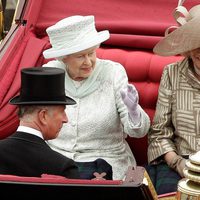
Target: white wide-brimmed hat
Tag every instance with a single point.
(185, 37)
(73, 34)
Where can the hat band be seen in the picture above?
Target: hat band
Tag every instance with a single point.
(73, 39)
(39, 98)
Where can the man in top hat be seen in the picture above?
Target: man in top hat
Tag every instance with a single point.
(41, 112)
(175, 132)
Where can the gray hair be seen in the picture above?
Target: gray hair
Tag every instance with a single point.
(30, 109)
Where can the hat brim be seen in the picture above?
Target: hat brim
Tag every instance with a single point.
(183, 39)
(54, 53)
(17, 101)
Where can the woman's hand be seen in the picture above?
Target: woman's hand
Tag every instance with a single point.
(130, 98)
(175, 162)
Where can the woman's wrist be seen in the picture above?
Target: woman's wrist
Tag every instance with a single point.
(169, 157)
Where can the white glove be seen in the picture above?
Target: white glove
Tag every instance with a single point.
(130, 98)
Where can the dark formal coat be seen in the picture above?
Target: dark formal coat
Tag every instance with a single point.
(25, 154)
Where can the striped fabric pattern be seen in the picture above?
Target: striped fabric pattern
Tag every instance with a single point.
(176, 125)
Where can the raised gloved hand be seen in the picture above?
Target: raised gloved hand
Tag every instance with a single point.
(130, 98)
(178, 164)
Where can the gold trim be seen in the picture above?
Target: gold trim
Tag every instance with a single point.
(150, 185)
(1, 21)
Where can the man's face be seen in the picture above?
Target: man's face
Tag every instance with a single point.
(55, 117)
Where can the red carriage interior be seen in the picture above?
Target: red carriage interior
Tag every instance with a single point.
(135, 27)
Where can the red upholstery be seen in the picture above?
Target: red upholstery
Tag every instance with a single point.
(132, 24)
(52, 179)
(144, 70)
(56, 187)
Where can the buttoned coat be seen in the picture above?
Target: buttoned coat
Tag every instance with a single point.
(99, 122)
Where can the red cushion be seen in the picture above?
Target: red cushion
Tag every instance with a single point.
(50, 179)
(144, 70)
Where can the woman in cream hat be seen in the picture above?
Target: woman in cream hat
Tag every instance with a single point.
(175, 132)
(107, 108)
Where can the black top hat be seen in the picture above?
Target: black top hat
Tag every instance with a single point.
(42, 86)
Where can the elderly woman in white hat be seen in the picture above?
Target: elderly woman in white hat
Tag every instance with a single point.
(175, 132)
(107, 108)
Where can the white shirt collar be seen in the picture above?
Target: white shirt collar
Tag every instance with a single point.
(30, 130)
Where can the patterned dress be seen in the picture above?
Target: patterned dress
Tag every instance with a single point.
(176, 125)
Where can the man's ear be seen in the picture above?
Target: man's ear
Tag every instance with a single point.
(42, 116)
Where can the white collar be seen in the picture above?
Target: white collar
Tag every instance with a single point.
(30, 130)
